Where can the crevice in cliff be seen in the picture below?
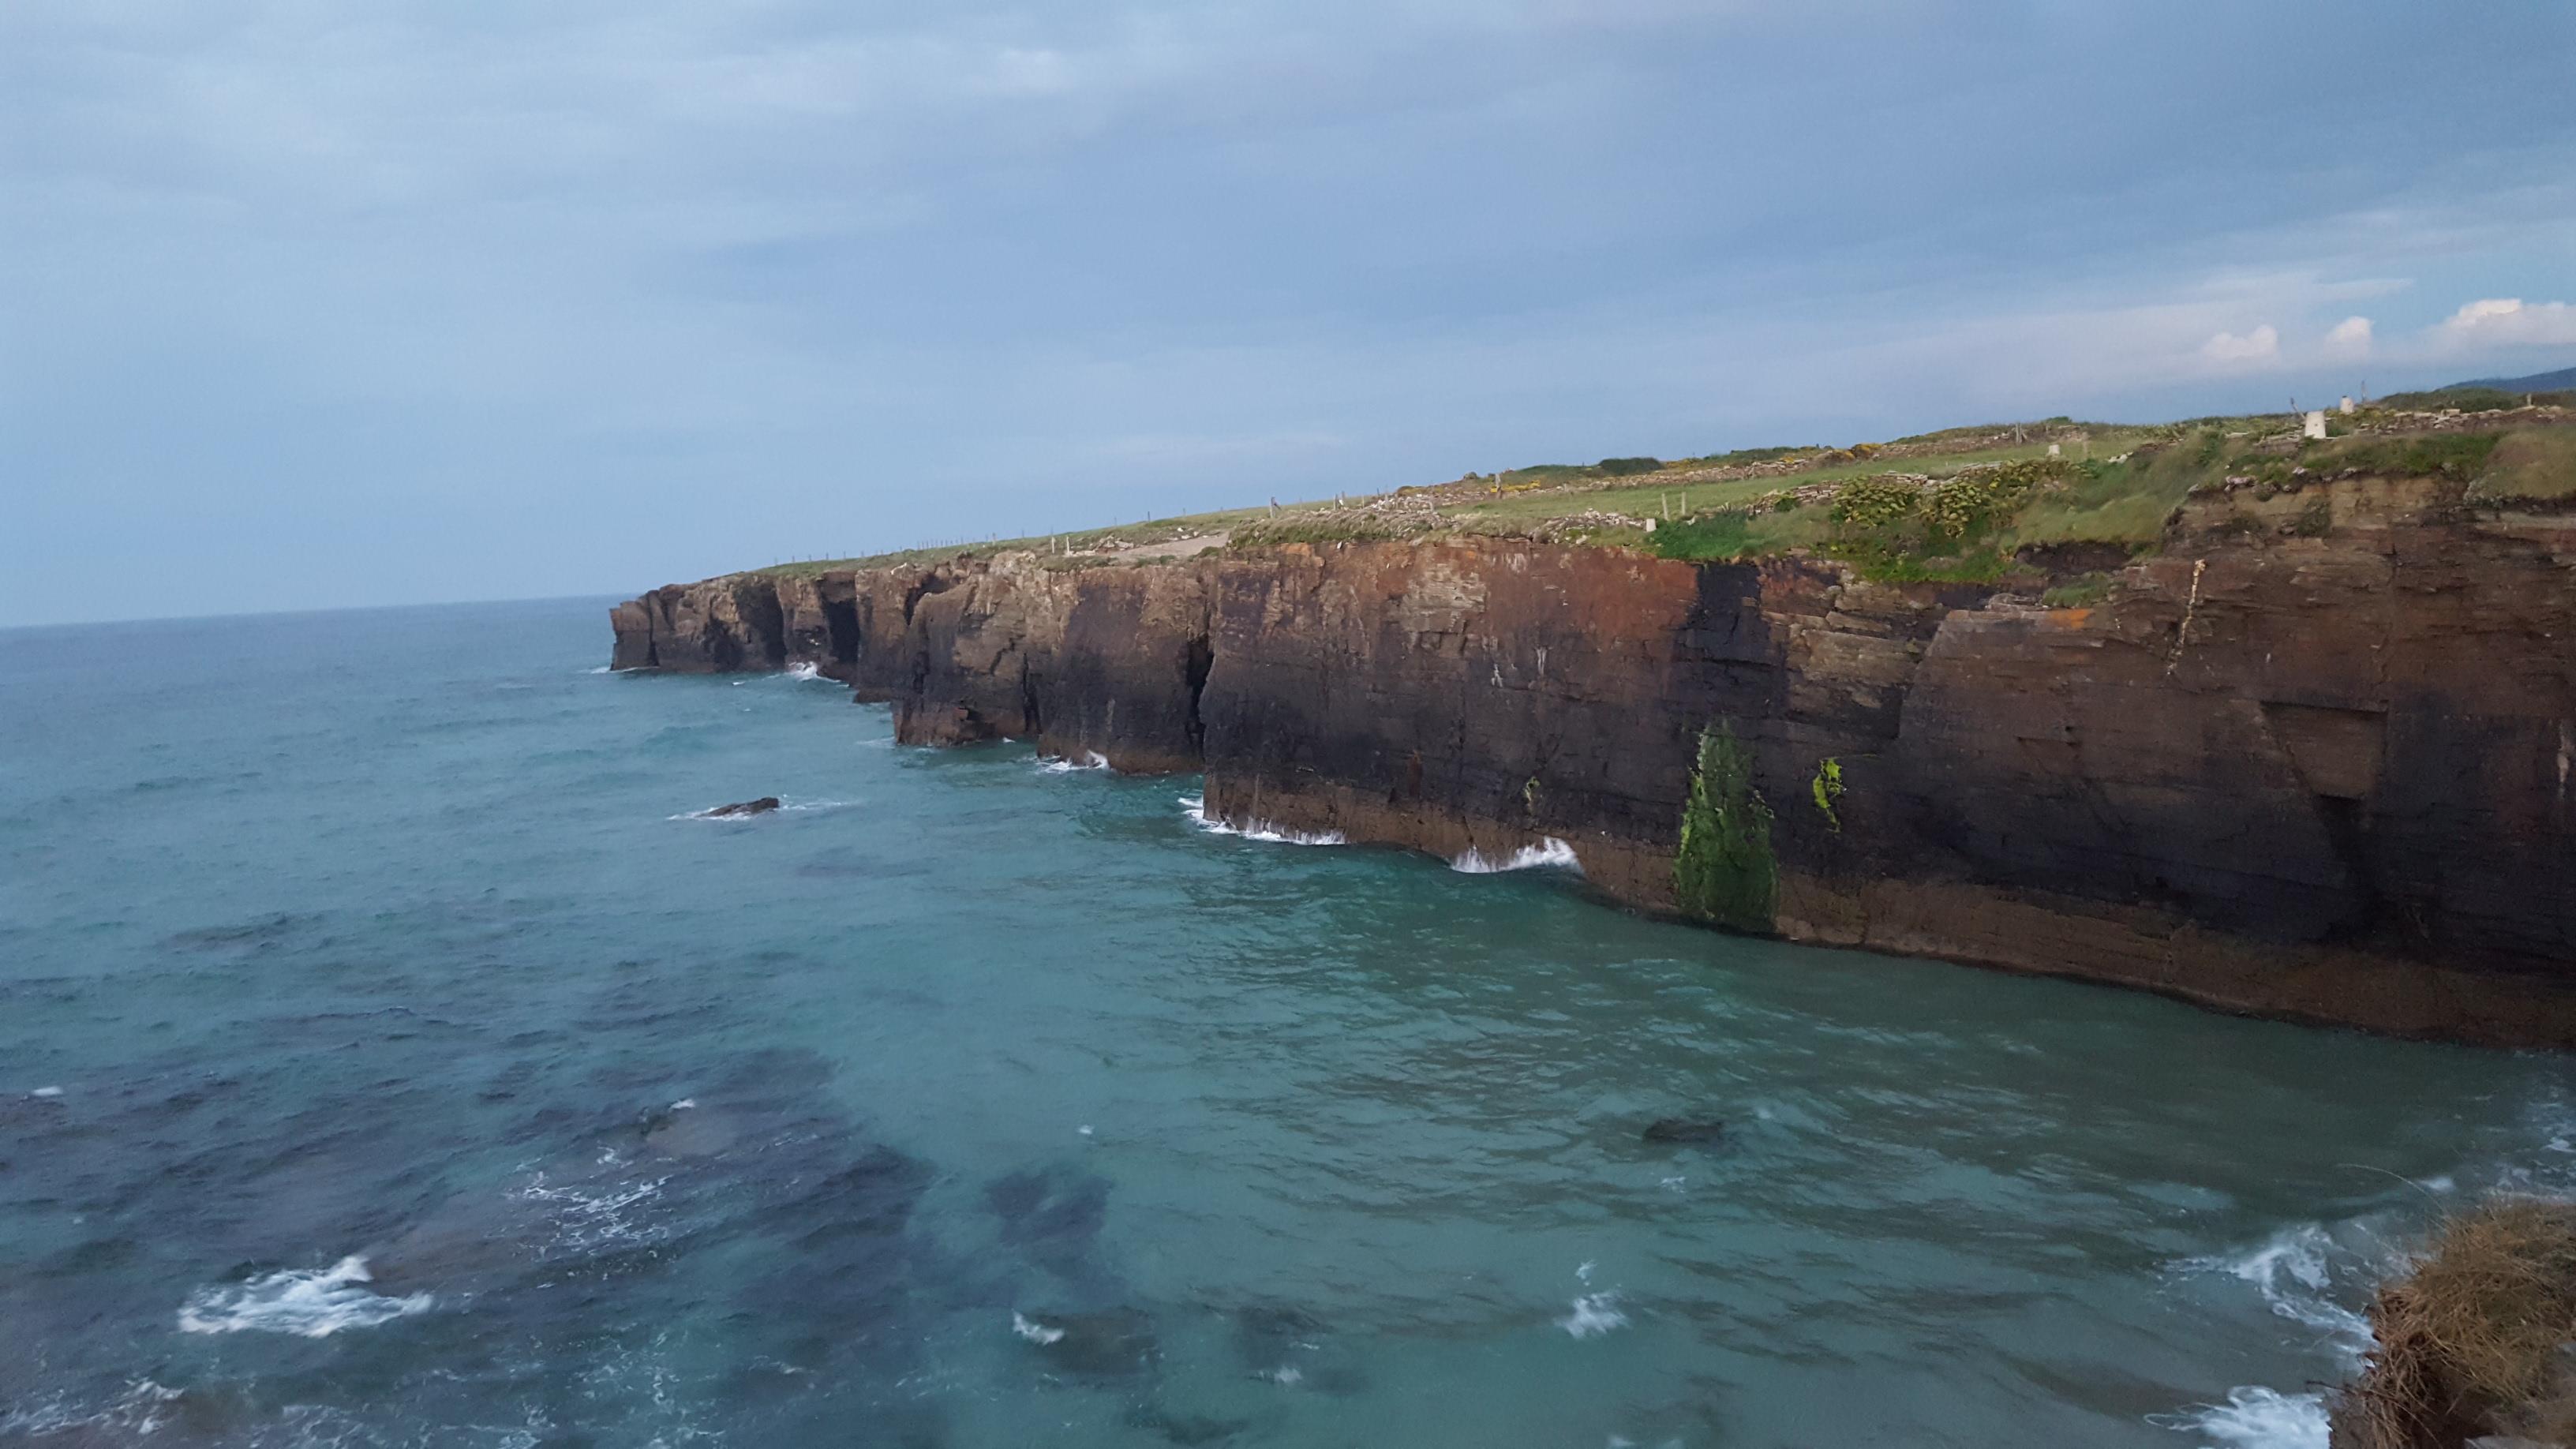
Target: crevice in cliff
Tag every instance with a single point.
(922, 587)
(1196, 661)
(1032, 713)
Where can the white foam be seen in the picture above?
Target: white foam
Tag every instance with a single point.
(603, 669)
(1287, 1375)
(1195, 807)
(310, 1302)
(1037, 1333)
(46, 1092)
(807, 670)
(684, 1104)
(137, 1411)
(2293, 1273)
(586, 1219)
(2254, 1418)
(1550, 851)
(1067, 765)
(1594, 1314)
(785, 807)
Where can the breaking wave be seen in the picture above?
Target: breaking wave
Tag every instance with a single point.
(2255, 1418)
(2301, 1273)
(1594, 1314)
(1550, 851)
(1037, 1333)
(1091, 760)
(1195, 807)
(310, 1302)
(807, 670)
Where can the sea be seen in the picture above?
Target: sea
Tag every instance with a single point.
(394, 1051)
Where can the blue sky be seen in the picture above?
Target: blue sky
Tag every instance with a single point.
(306, 304)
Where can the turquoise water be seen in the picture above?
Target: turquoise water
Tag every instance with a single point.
(363, 959)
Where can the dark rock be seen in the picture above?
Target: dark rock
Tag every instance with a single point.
(761, 806)
(1685, 1130)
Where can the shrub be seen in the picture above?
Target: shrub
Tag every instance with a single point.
(1706, 537)
(1827, 788)
(2315, 520)
(1723, 871)
(1876, 501)
(1623, 467)
(2466, 399)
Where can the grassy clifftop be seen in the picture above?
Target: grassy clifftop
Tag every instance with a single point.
(1956, 505)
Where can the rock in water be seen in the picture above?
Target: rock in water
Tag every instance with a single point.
(761, 806)
(1684, 1129)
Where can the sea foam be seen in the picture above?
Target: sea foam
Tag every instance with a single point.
(2295, 1272)
(1594, 1314)
(1067, 765)
(2255, 1418)
(1037, 1333)
(1550, 851)
(310, 1302)
(1195, 807)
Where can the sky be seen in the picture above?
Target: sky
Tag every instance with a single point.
(306, 304)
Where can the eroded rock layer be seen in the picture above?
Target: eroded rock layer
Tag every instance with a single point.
(2323, 777)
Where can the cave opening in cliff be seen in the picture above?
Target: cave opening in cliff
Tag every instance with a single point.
(841, 630)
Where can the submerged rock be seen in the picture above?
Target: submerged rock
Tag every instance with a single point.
(1685, 1130)
(1110, 1344)
(738, 810)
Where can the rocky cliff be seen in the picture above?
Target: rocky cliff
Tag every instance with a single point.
(2325, 777)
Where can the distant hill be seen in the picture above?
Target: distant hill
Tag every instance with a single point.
(2559, 381)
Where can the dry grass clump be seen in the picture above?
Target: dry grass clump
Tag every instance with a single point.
(2475, 1338)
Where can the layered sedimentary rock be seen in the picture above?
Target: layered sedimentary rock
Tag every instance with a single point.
(2325, 777)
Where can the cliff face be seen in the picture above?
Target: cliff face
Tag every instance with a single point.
(2318, 777)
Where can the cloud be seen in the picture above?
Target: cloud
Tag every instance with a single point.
(2349, 338)
(2263, 344)
(2509, 321)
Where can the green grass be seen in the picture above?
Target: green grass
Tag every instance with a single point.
(2535, 465)
(2125, 503)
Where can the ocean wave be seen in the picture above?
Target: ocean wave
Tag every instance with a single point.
(309, 1302)
(1550, 851)
(1195, 807)
(807, 670)
(1037, 1333)
(2295, 1272)
(1594, 1315)
(138, 1411)
(1091, 760)
(2302, 1273)
(2254, 1418)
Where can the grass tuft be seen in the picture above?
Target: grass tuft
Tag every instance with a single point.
(2470, 1341)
